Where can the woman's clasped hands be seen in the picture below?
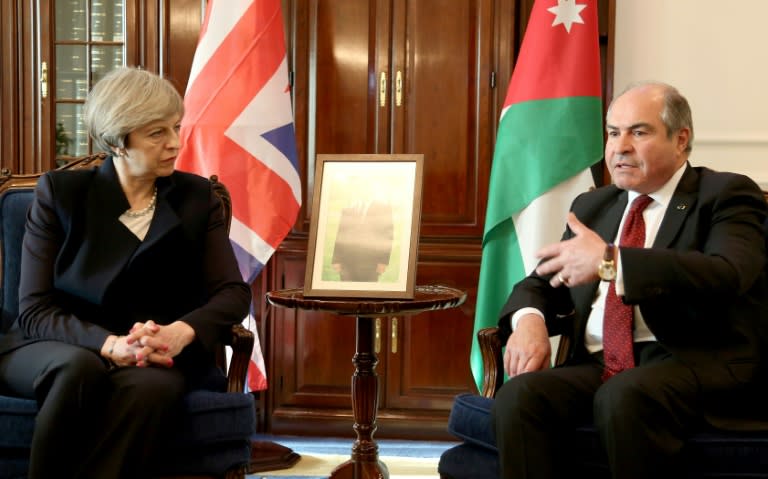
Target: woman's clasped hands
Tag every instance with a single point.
(149, 344)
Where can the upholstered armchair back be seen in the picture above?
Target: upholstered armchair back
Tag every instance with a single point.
(13, 210)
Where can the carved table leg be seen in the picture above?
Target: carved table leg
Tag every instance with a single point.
(364, 463)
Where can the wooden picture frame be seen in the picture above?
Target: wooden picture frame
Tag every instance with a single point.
(364, 228)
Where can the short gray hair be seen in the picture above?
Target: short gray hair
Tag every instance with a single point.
(675, 113)
(125, 99)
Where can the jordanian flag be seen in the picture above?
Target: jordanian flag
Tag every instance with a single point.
(550, 133)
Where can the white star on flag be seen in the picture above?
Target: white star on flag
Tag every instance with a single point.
(567, 12)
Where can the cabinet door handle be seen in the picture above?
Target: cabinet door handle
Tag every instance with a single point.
(377, 336)
(44, 80)
(399, 88)
(393, 325)
(383, 89)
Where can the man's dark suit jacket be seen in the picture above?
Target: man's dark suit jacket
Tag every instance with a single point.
(85, 275)
(702, 286)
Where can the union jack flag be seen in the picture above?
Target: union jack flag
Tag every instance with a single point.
(238, 125)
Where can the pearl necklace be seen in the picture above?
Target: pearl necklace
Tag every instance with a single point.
(150, 207)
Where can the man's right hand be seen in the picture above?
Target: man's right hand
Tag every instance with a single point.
(528, 348)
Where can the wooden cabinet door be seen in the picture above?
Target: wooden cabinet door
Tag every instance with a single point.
(427, 355)
(442, 63)
(309, 360)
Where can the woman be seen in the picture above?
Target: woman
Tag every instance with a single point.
(128, 280)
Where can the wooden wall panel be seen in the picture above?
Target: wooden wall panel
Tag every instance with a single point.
(9, 108)
(341, 32)
(315, 364)
(430, 364)
(19, 89)
(179, 33)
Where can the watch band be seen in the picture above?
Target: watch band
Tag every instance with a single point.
(610, 252)
(607, 268)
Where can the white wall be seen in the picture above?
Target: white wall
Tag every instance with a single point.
(714, 52)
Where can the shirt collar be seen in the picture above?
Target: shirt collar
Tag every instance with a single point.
(664, 194)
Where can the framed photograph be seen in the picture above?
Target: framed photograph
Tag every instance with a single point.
(364, 229)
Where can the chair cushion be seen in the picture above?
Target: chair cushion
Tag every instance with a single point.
(707, 454)
(13, 467)
(211, 460)
(728, 453)
(468, 461)
(17, 421)
(470, 420)
(214, 417)
(215, 436)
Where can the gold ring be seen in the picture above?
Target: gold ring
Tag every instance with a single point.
(562, 280)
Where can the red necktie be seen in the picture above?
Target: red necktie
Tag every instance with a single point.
(618, 319)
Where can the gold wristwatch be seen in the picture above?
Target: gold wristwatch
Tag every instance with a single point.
(607, 267)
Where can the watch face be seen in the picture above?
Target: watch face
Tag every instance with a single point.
(607, 271)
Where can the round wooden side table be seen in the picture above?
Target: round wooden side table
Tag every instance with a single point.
(365, 463)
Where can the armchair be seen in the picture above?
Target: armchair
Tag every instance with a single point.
(216, 438)
(708, 454)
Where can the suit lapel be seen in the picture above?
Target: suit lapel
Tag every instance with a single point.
(105, 243)
(164, 220)
(607, 225)
(682, 202)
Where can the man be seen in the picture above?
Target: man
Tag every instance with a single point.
(690, 266)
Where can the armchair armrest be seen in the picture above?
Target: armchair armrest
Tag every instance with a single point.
(493, 365)
(493, 362)
(241, 341)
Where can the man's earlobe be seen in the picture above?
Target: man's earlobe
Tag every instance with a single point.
(684, 138)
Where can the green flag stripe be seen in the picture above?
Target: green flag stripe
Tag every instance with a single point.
(540, 144)
(501, 267)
